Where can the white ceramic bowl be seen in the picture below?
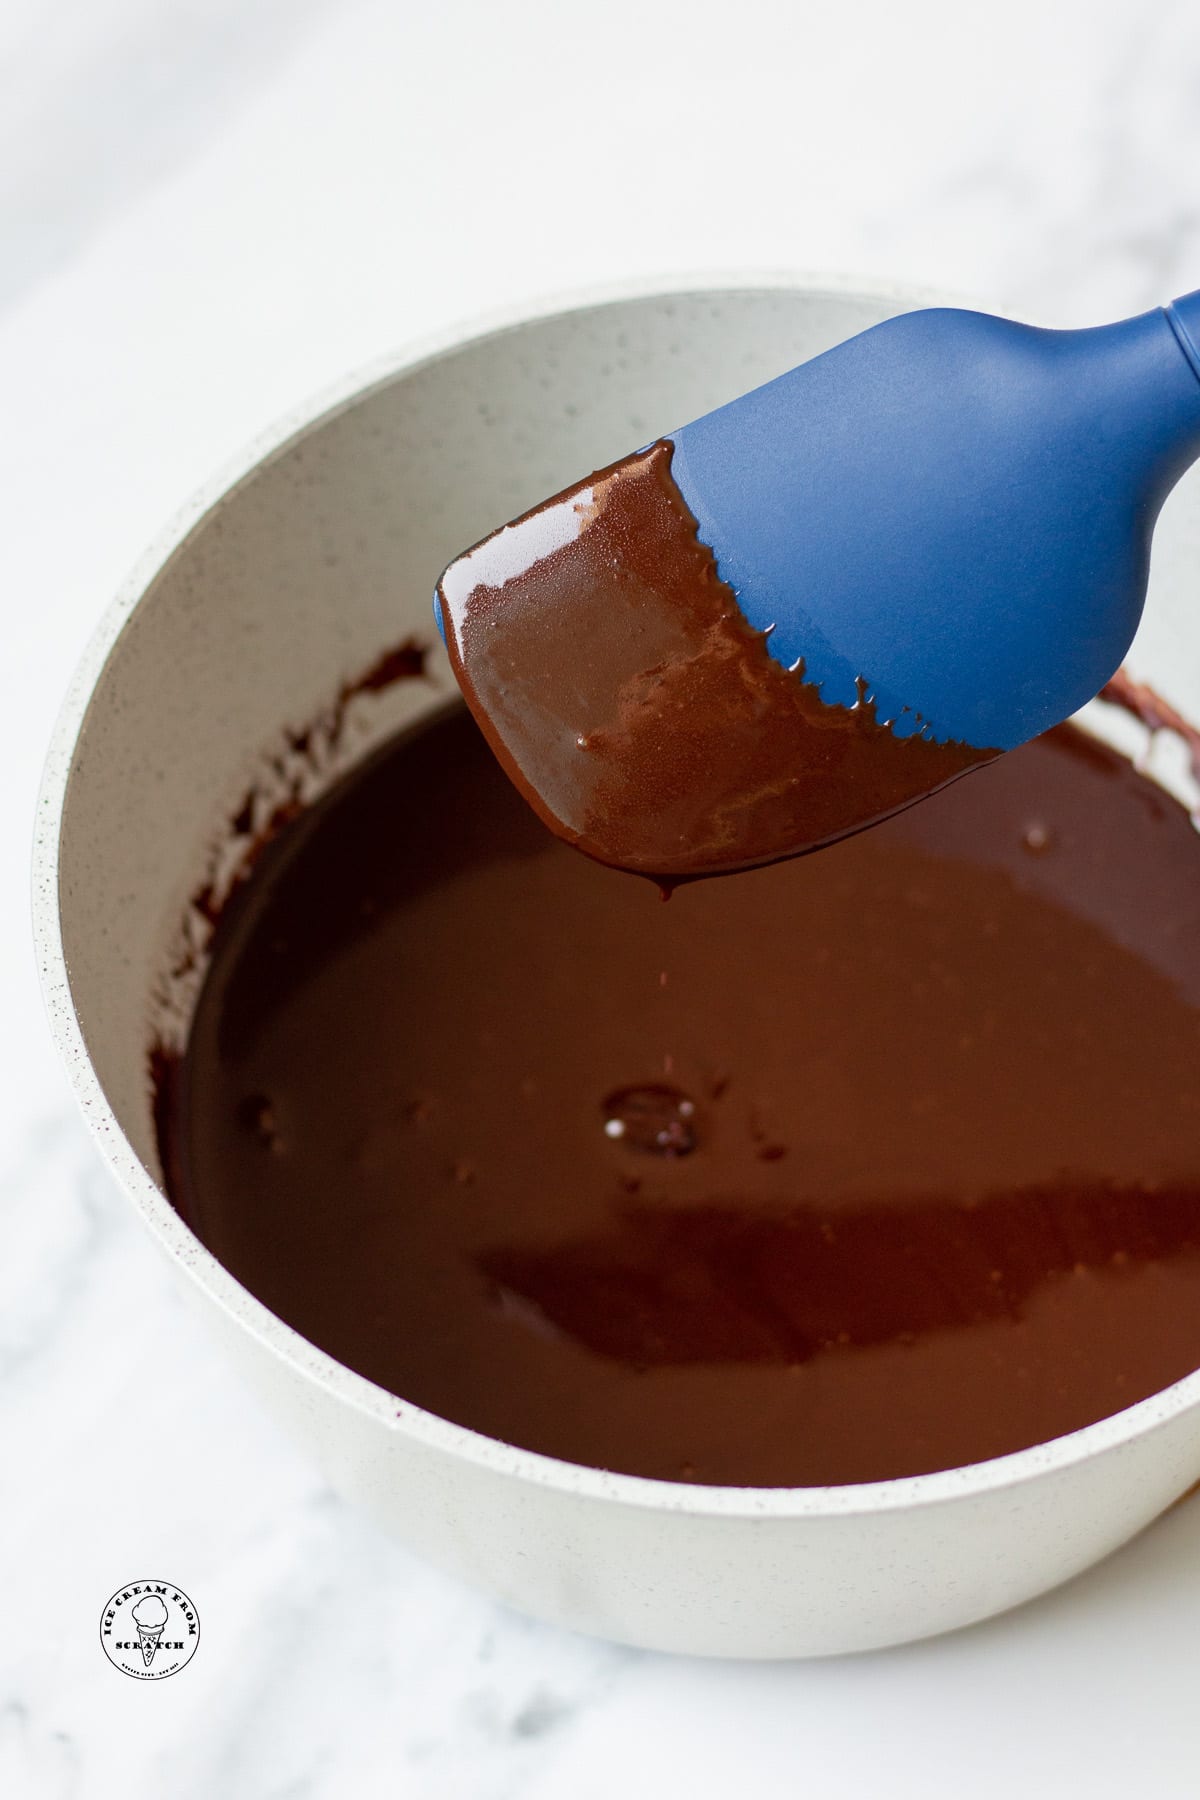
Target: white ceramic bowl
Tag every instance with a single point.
(276, 586)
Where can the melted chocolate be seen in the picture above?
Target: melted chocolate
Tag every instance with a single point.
(908, 1167)
(641, 716)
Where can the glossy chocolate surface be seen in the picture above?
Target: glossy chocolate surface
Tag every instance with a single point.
(640, 715)
(863, 1165)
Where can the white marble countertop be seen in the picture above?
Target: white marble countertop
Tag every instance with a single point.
(207, 210)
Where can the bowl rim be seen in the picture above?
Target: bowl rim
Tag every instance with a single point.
(343, 1385)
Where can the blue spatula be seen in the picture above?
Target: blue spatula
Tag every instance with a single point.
(957, 504)
(953, 508)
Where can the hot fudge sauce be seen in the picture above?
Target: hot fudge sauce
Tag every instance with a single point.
(870, 1164)
(641, 716)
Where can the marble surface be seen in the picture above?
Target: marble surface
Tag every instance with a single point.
(207, 209)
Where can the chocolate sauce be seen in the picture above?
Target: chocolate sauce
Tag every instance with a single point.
(640, 715)
(908, 1167)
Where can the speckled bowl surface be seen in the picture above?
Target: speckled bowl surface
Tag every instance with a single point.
(265, 600)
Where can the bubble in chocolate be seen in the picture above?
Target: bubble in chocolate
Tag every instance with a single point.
(655, 1118)
(257, 1115)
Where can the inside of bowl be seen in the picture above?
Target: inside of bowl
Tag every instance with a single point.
(321, 560)
(257, 630)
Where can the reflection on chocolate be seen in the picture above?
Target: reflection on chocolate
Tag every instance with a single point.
(942, 1195)
(638, 712)
(760, 1284)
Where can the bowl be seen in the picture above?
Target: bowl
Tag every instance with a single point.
(260, 610)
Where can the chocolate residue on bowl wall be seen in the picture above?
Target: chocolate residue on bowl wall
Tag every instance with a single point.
(1139, 699)
(290, 777)
(405, 663)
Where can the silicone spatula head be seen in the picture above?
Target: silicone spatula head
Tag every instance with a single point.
(829, 597)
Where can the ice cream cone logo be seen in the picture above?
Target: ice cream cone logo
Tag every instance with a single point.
(150, 1617)
(149, 1630)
